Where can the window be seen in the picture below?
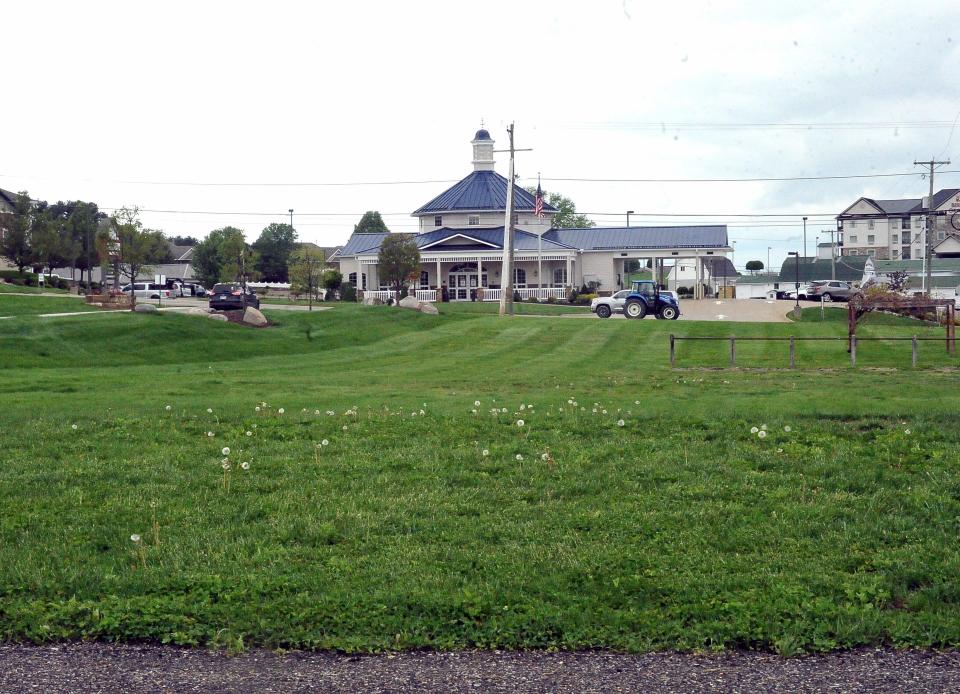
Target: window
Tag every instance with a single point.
(473, 220)
(916, 238)
(941, 235)
(895, 253)
(424, 279)
(352, 279)
(870, 224)
(941, 222)
(438, 221)
(906, 223)
(519, 277)
(560, 277)
(871, 239)
(853, 223)
(871, 253)
(895, 238)
(895, 223)
(852, 239)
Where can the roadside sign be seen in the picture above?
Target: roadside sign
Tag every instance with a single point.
(160, 279)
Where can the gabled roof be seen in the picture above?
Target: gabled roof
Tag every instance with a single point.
(941, 196)
(484, 239)
(481, 191)
(181, 254)
(720, 266)
(358, 243)
(616, 238)
(7, 198)
(849, 268)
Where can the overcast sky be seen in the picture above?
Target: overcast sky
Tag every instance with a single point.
(101, 97)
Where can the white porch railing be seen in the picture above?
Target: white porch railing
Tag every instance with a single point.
(541, 294)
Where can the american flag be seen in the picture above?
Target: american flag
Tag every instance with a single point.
(538, 202)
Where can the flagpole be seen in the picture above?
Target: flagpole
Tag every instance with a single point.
(538, 209)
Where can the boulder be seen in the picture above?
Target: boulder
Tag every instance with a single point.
(217, 316)
(372, 301)
(253, 317)
(429, 308)
(145, 308)
(410, 302)
(197, 311)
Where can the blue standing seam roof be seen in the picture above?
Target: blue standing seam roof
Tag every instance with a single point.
(617, 238)
(481, 191)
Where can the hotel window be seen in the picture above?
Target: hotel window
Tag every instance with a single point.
(906, 223)
(560, 277)
(519, 277)
(872, 253)
(941, 235)
(871, 239)
(473, 220)
(853, 223)
(852, 239)
(896, 253)
(438, 221)
(895, 238)
(895, 223)
(870, 223)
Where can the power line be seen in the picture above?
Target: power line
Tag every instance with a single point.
(738, 180)
(687, 125)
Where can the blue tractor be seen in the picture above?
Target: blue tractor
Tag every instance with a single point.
(645, 298)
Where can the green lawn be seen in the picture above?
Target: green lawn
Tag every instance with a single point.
(679, 529)
(19, 289)
(14, 305)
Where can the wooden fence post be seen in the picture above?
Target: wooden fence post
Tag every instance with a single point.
(673, 350)
(853, 350)
(914, 359)
(733, 351)
(792, 353)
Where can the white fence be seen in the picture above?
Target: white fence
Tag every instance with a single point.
(384, 294)
(541, 294)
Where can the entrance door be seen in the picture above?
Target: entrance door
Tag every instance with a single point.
(463, 282)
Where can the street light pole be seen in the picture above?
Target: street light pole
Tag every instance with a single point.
(768, 259)
(629, 212)
(796, 255)
(804, 238)
(291, 218)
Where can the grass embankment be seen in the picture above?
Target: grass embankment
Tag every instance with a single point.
(6, 288)
(13, 305)
(678, 529)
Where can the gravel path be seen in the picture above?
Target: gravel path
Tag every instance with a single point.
(96, 667)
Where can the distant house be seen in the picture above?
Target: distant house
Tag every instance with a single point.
(6, 205)
(853, 269)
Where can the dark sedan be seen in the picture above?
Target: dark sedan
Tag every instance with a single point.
(229, 296)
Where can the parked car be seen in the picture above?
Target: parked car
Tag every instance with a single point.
(148, 290)
(192, 289)
(229, 296)
(831, 290)
(605, 306)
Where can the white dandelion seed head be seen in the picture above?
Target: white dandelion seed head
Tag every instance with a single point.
(281, 411)
(473, 411)
(248, 433)
(620, 423)
(134, 538)
(422, 413)
(74, 427)
(245, 465)
(257, 408)
(316, 411)
(906, 431)
(325, 442)
(504, 410)
(753, 430)
(519, 457)
(604, 412)
(209, 410)
(763, 427)
(167, 408)
(485, 452)
(344, 427)
(210, 434)
(476, 403)
(545, 456)
(225, 450)
(779, 450)
(331, 413)
(594, 410)
(636, 402)
(787, 429)
(225, 464)
(762, 434)
(522, 406)
(520, 422)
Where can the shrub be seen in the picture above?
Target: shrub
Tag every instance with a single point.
(574, 293)
(533, 300)
(551, 299)
(349, 293)
(585, 299)
(516, 296)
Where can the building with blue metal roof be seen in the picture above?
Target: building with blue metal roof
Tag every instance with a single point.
(461, 243)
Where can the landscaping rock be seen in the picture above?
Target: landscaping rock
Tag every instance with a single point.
(197, 311)
(410, 302)
(145, 308)
(217, 316)
(429, 308)
(253, 317)
(372, 301)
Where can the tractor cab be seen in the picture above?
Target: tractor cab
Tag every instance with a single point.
(645, 297)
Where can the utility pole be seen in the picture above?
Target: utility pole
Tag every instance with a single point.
(506, 282)
(291, 218)
(928, 235)
(804, 238)
(833, 251)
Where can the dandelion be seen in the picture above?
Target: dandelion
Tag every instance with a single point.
(787, 429)
(210, 434)
(316, 411)
(520, 422)
(248, 433)
(905, 431)
(636, 402)
(522, 407)
(325, 442)
(281, 411)
(519, 457)
(257, 408)
(620, 423)
(753, 430)
(74, 427)
(504, 410)
(763, 427)
(604, 412)
(561, 409)
(209, 410)
(476, 403)
(762, 434)
(344, 427)
(244, 465)
(779, 450)
(545, 457)
(331, 413)
(167, 408)
(485, 453)
(422, 413)
(594, 410)
(135, 538)
(225, 450)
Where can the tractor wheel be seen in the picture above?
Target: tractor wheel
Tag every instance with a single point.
(668, 313)
(603, 311)
(635, 309)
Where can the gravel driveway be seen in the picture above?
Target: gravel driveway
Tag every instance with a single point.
(95, 667)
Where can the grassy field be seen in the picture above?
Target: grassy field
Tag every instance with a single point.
(635, 508)
(17, 305)
(6, 288)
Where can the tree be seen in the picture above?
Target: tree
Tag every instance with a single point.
(237, 259)
(897, 281)
(371, 223)
(332, 279)
(79, 222)
(53, 246)
(183, 241)
(213, 255)
(135, 248)
(754, 265)
(15, 232)
(274, 247)
(399, 260)
(567, 217)
(305, 271)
